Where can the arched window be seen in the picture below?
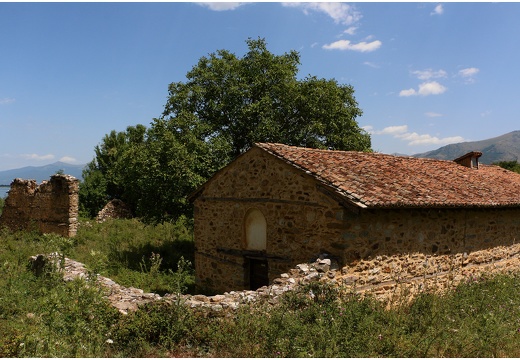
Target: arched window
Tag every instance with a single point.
(255, 230)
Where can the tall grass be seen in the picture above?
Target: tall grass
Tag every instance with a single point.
(139, 255)
(42, 316)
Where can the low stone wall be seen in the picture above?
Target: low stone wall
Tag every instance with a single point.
(51, 207)
(391, 279)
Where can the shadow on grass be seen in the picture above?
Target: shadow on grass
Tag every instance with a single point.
(170, 251)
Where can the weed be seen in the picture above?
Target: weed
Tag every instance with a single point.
(43, 316)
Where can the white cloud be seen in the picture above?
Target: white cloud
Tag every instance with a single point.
(468, 74)
(221, 6)
(432, 114)
(341, 13)
(431, 88)
(348, 45)
(429, 74)
(408, 92)
(6, 101)
(413, 138)
(68, 159)
(37, 157)
(425, 89)
(439, 10)
(368, 128)
(392, 130)
(426, 139)
(351, 30)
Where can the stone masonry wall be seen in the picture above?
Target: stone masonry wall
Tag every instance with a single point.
(295, 214)
(303, 221)
(394, 280)
(51, 207)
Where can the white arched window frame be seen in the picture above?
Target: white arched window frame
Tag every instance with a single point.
(255, 227)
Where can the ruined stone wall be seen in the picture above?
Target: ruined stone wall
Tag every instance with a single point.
(302, 222)
(51, 207)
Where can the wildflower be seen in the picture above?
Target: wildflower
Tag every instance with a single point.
(109, 341)
(380, 337)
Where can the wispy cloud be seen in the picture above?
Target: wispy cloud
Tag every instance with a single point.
(6, 101)
(348, 45)
(485, 113)
(351, 30)
(221, 6)
(392, 130)
(371, 64)
(433, 114)
(439, 10)
(37, 157)
(68, 159)
(425, 89)
(341, 13)
(413, 138)
(468, 74)
(429, 74)
(408, 92)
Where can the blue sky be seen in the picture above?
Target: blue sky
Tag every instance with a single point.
(424, 74)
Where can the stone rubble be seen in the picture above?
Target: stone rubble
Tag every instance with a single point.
(392, 279)
(114, 209)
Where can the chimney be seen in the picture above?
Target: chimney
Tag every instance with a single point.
(469, 160)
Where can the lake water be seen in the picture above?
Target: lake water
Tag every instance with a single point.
(3, 191)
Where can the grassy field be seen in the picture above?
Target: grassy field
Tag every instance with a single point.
(46, 317)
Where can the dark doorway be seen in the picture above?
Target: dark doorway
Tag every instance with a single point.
(258, 273)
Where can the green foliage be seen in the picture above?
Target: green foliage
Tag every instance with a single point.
(509, 165)
(139, 255)
(43, 316)
(2, 203)
(101, 178)
(258, 98)
(227, 104)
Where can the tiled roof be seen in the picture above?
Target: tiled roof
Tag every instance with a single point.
(377, 180)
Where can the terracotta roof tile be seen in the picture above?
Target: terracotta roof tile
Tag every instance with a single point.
(380, 180)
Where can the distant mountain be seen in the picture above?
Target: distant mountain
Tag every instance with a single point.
(40, 173)
(501, 148)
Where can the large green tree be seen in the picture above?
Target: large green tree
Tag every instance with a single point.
(226, 104)
(258, 98)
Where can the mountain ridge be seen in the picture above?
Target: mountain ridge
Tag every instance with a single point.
(500, 148)
(41, 173)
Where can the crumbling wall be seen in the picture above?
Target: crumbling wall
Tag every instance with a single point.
(114, 209)
(51, 207)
